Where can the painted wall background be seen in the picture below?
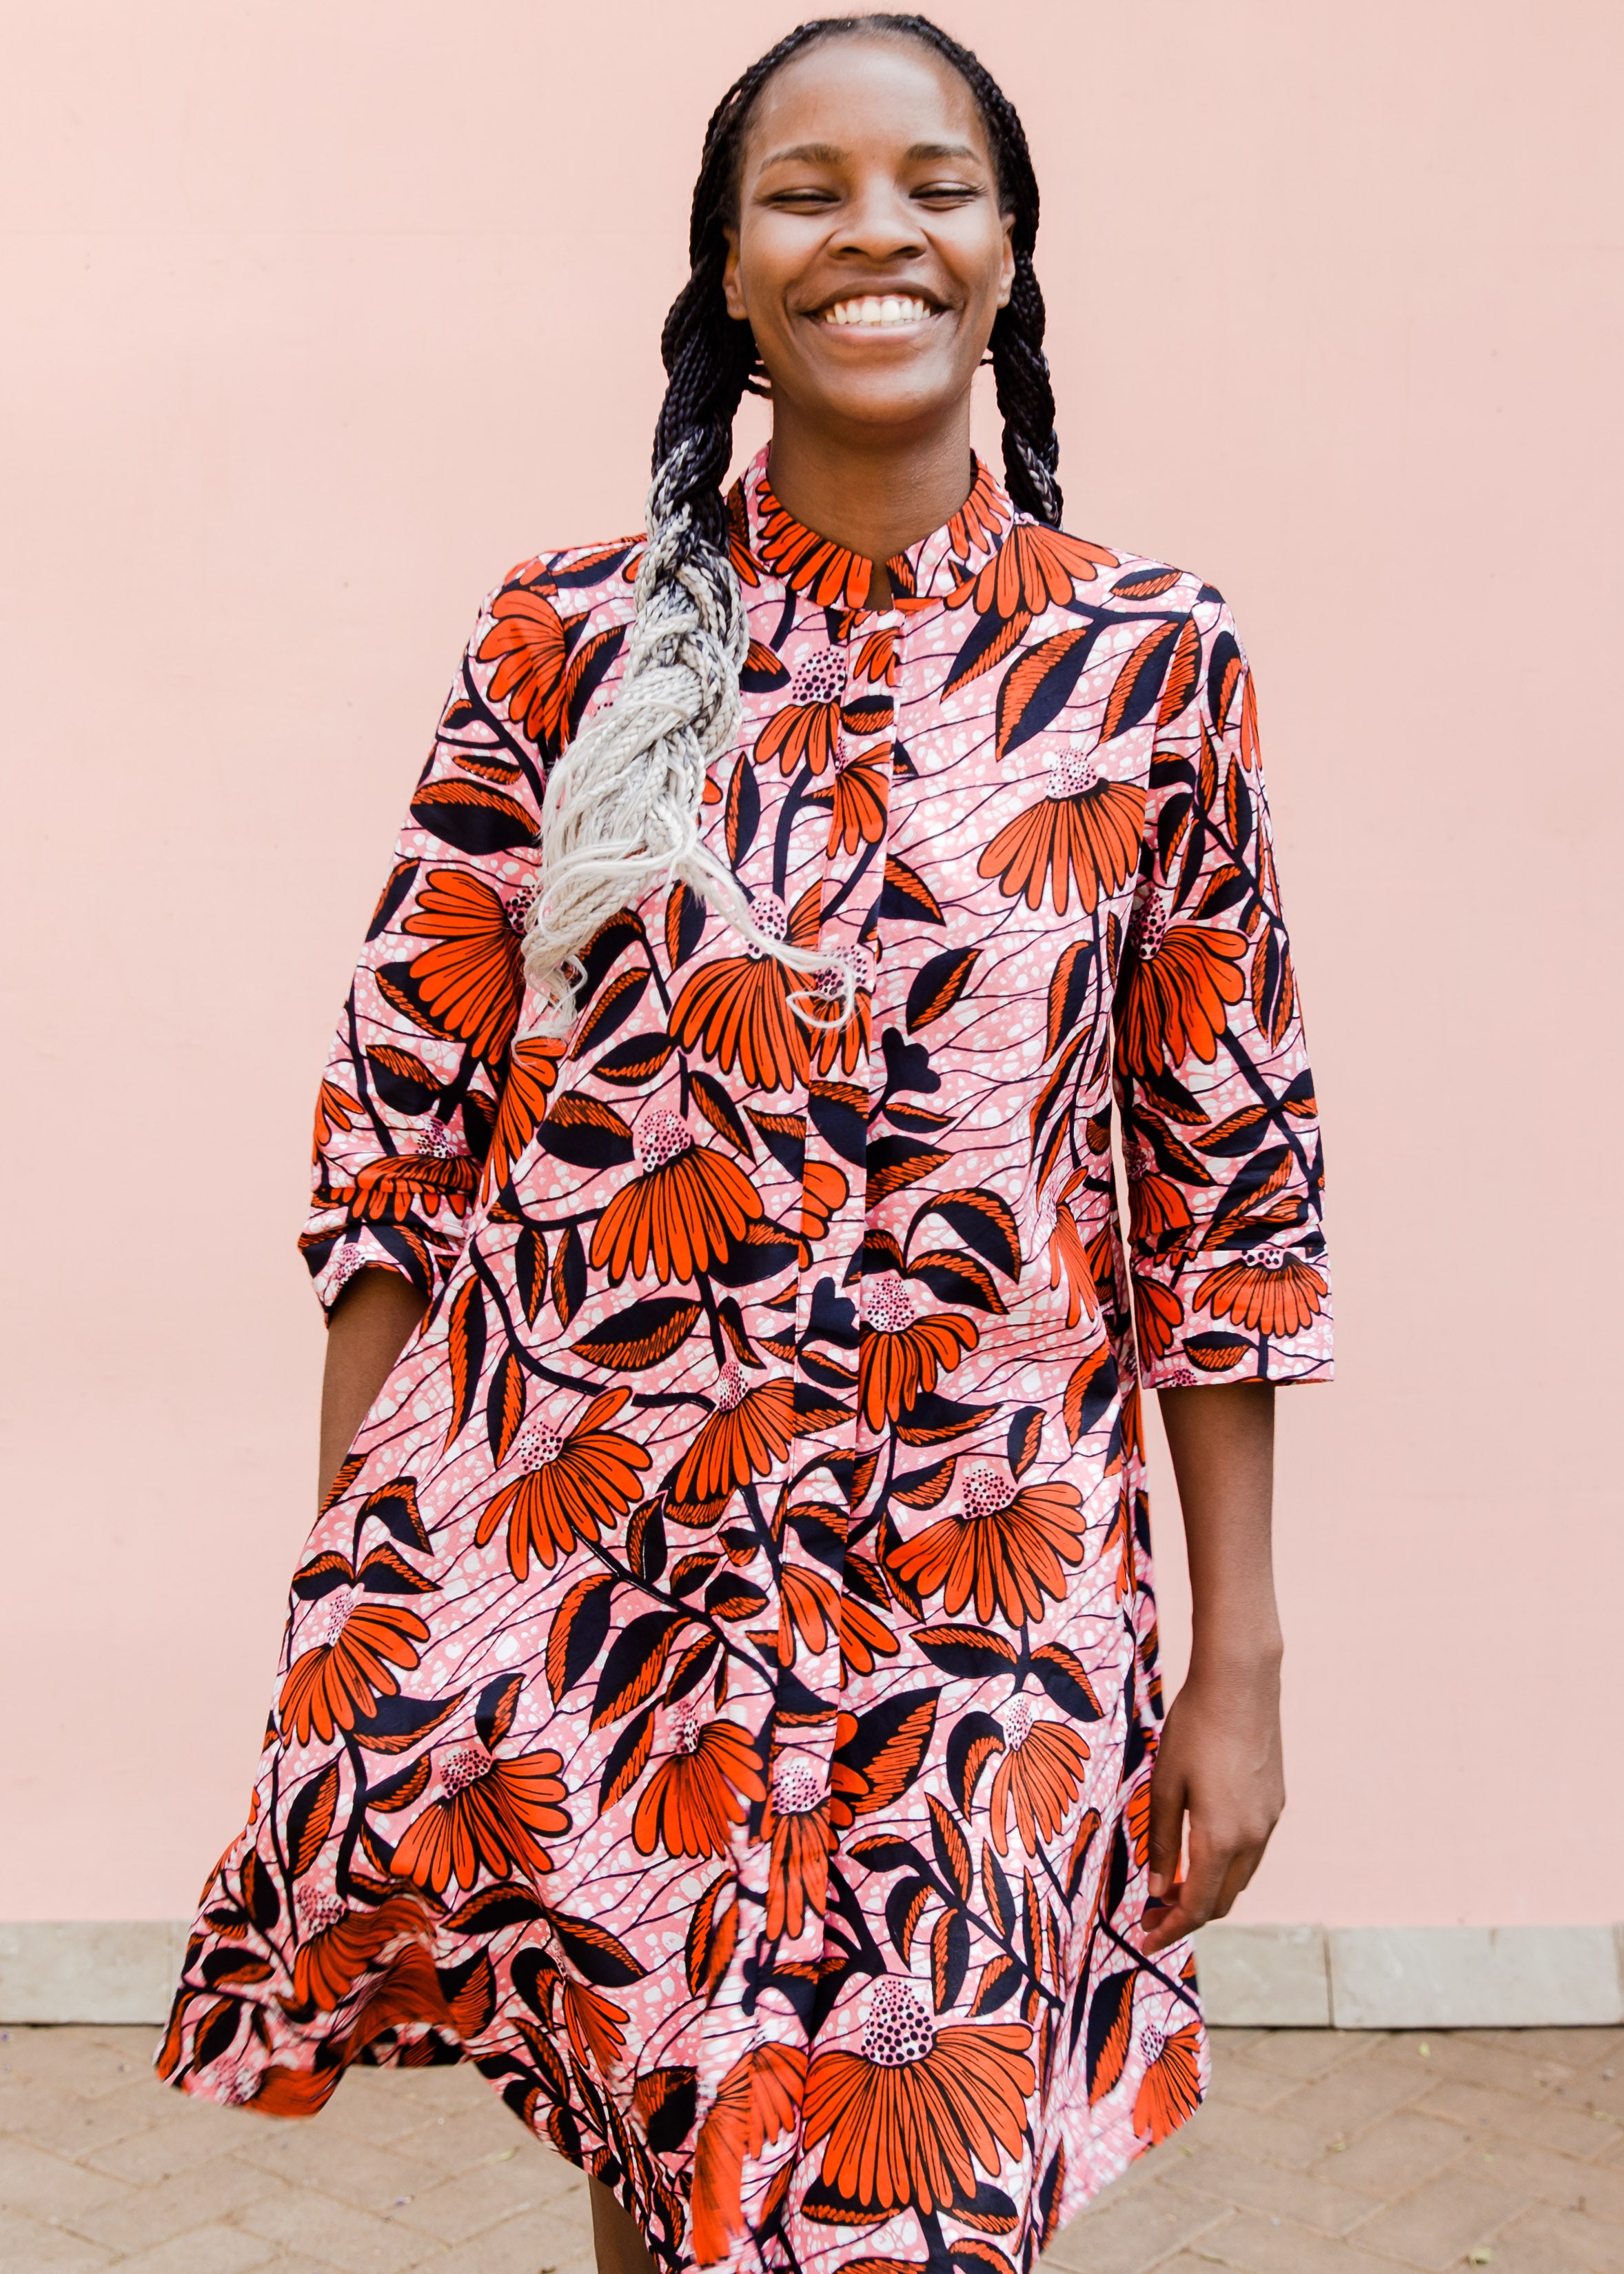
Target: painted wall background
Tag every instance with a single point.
(319, 316)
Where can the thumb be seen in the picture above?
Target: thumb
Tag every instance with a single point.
(1166, 1825)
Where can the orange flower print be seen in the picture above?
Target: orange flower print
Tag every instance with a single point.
(1040, 1773)
(1269, 1289)
(757, 2103)
(864, 1639)
(335, 1110)
(901, 1356)
(595, 2025)
(1068, 1253)
(805, 730)
(823, 1190)
(810, 1606)
(1170, 2091)
(492, 1815)
(1159, 1208)
(1086, 833)
(699, 1792)
(911, 2118)
(1033, 568)
(739, 538)
(470, 983)
(830, 576)
(576, 1485)
(404, 1185)
(532, 1071)
(838, 1042)
(339, 1945)
(737, 1009)
(981, 520)
(682, 1215)
(1177, 982)
(1157, 1313)
(1007, 1550)
(746, 1432)
(877, 659)
(796, 1824)
(340, 1681)
(530, 648)
(857, 798)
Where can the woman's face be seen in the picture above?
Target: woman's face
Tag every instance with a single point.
(870, 256)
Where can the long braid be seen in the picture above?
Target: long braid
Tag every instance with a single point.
(621, 810)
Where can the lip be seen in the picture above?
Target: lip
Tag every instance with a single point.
(910, 327)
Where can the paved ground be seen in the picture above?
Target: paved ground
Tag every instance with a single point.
(1319, 2153)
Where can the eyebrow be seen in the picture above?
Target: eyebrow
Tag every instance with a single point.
(829, 154)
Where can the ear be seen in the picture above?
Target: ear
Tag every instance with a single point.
(1007, 274)
(731, 290)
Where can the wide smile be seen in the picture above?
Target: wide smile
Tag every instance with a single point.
(874, 314)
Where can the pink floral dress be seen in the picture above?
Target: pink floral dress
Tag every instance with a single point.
(721, 1690)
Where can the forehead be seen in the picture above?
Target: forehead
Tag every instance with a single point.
(864, 93)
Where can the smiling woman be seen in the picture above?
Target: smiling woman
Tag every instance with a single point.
(720, 1694)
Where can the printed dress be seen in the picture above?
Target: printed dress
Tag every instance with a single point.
(720, 1691)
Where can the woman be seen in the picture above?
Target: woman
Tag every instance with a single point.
(720, 1696)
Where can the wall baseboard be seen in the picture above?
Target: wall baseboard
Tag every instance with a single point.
(1281, 1977)
(1411, 1978)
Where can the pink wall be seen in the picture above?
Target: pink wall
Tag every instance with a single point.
(327, 314)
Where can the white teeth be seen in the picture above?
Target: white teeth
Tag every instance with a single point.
(872, 311)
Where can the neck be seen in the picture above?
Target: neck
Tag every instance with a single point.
(875, 492)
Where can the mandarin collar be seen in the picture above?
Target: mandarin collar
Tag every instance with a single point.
(767, 536)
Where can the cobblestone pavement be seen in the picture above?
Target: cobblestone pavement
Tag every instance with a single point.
(1319, 2153)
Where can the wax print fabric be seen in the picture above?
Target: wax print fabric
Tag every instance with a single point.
(719, 1694)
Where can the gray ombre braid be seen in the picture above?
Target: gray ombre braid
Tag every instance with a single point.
(622, 805)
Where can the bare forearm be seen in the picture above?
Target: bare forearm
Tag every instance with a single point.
(1222, 1444)
(373, 1321)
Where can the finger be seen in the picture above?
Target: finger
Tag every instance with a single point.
(1242, 1866)
(1167, 1827)
(1195, 1897)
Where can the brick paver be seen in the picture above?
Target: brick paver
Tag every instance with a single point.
(1320, 2152)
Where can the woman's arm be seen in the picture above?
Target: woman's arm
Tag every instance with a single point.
(1219, 1755)
(371, 1323)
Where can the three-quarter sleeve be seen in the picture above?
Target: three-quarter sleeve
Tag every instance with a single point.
(408, 1102)
(1221, 1135)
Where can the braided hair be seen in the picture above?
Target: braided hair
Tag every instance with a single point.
(622, 805)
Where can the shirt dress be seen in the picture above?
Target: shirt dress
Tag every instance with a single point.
(720, 1691)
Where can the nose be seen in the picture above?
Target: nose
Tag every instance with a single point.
(878, 226)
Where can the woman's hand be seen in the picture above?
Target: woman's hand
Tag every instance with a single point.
(1220, 1759)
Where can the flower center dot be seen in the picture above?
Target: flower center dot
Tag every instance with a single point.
(889, 1304)
(897, 2030)
(437, 1140)
(464, 1767)
(768, 913)
(1265, 1257)
(731, 1389)
(659, 1138)
(820, 679)
(985, 1490)
(1147, 931)
(318, 1912)
(1018, 1725)
(1071, 776)
(340, 1602)
(796, 1789)
(538, 1443)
